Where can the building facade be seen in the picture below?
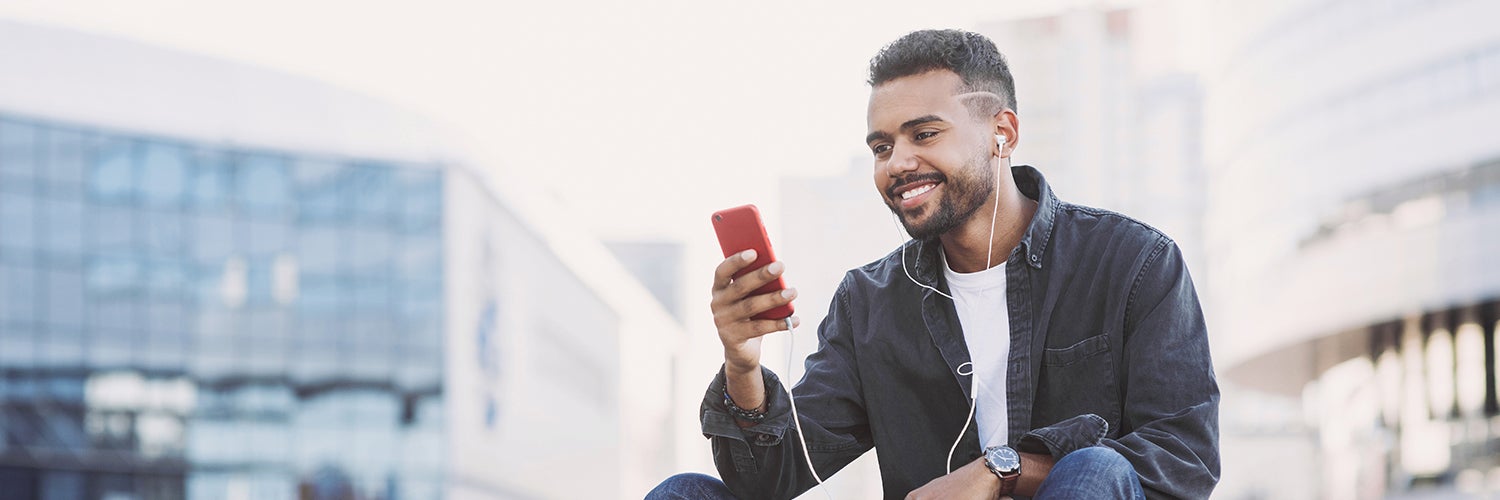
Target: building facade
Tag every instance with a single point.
(1354, 203)
(218, 281)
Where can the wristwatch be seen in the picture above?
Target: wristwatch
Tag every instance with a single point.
(1005, 463)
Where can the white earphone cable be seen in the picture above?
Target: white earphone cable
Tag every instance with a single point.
(988, 261)
(791, 330)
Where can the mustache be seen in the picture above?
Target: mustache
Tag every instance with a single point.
(901, 183)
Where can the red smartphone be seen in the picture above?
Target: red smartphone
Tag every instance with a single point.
(740, 229)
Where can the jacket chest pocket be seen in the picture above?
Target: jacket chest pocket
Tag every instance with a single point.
(1079, 379)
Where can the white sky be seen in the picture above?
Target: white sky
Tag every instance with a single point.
(645, 115)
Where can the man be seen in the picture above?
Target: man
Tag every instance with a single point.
(1090, 371)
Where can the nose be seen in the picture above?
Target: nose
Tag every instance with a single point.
(900, 161)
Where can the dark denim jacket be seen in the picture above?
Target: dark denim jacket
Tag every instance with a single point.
(1108, 347)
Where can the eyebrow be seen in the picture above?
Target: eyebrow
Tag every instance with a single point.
(908, 125)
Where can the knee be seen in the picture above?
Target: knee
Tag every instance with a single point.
(1097, 460)
(1093, 472)
(690, 485)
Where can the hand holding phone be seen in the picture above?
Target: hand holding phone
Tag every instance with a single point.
(739, 229)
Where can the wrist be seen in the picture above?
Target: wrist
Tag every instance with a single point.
(740, 369)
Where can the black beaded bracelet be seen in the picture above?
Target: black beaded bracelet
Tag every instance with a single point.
(753, 416)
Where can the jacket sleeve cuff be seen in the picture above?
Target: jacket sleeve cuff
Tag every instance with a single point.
(1066, 436)
(718, 422)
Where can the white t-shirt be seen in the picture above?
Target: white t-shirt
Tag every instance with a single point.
(979, 298)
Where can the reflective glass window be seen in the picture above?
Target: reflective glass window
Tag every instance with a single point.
(117, 318)
(18, 221)
(318, 249)
(321, 191)
(112, 176)
(112, 227)
(371, 294)
(18, 284)
(420, 258)
(114, 273)
(259, 276)
(319, 294)
(62, 226)
(64, 174)
(18, 350)
(208, 183)
(164, 174)
(263, 185)
(421, 200)
(370, 251)
(211, 239)
(65, 297)
(372, 190)
(168, 278)
(259, 237)
(18, 155)
(162, 232)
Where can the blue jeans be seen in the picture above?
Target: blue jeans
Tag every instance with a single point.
(691, 486)
(1093, 472)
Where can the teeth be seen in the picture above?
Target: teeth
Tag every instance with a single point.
(913, 193)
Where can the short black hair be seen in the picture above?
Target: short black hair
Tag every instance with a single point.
(971, 55)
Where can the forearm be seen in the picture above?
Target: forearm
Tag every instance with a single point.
(1034, 469)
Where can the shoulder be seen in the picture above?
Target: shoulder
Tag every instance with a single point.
(1106, 230)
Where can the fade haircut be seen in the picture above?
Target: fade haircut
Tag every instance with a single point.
(972, 56)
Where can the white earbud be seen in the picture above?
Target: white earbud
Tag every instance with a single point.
(1000, 142)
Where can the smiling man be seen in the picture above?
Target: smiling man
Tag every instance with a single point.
(1018, 345)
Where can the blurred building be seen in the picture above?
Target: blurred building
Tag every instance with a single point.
(1353, 224)
(658, 265)
(218, 281)
(1109, 115)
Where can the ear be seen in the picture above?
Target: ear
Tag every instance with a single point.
(1007, 124)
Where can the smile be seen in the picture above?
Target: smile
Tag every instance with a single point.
(907, 195)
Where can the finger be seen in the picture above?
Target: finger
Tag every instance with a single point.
(724, 273)
(728, 313)
(752, 281)
(760, 327)
(765, 302)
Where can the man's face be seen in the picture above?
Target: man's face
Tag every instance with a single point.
(931, 153)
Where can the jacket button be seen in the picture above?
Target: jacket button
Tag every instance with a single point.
(1034, 258)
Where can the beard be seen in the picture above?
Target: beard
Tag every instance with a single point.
(963, 194)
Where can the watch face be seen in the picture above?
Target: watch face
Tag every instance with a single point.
(1003, 459)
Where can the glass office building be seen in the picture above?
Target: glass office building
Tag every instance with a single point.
(190, 320)
(219, 281)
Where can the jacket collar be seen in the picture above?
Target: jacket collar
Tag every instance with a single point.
(925, 257)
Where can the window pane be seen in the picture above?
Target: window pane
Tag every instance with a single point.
(65, 162)
(17, 222)
(63, 229)
(318, 249)
(65, 299)
(162, 232)
(320, 191)
(112, 177)
(18, 158)
(168, 279)
(372, 193)
(263, 186)
(209, 186)
(18, 288)
(116, 273)
(163, 174)
(422, 204)
(212, 239)
(113, 228)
